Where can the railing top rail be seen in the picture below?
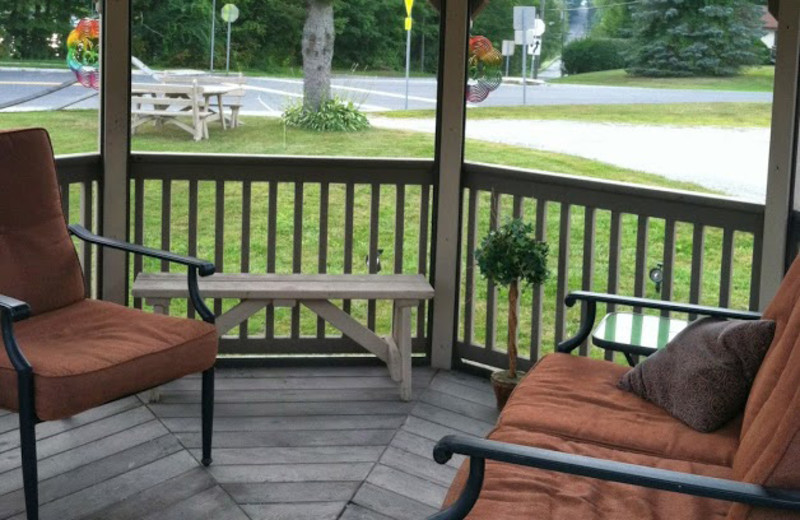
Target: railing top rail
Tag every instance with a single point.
(281, 168)
(710, 210)
(79, 167)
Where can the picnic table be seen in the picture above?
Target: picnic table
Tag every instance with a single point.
(314, 291)
(164, 103)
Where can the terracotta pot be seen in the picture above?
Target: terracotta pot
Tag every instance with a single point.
(503, 386)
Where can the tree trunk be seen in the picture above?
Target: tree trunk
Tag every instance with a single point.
(318, 36)
(513, 309)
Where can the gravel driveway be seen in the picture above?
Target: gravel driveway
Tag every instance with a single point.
(731, 160)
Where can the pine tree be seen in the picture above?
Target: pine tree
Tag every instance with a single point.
(694, 37)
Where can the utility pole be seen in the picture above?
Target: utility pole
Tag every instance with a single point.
(213, 29)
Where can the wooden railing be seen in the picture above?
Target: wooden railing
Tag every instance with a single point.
(603, 236)
(274, 214)
(79, 178)
(290, 214)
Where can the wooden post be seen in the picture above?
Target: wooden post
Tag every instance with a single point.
(781, 185)
(450, 155)
(115, 142)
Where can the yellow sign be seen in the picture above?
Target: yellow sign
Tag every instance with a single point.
(408, 23)
(409, 5)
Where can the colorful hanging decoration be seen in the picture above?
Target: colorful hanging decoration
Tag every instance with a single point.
(83, 52)
(485, 69)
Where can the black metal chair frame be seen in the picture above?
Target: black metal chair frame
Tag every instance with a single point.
(13, 310)
(480, 450)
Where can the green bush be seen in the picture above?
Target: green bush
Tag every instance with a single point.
(334, 115)
(593, 54)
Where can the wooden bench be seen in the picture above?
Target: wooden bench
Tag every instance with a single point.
(315, 291)
(231, 99)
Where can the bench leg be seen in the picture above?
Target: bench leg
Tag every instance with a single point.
(401, 333)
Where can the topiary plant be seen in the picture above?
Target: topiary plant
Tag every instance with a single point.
(506, 256)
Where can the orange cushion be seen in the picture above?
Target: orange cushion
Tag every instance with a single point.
(38, 263)
(93, 352)
(577, 398)
(514, 492)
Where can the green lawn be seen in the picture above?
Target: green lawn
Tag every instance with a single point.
(74, 132)
(755, 79)
(688, 114)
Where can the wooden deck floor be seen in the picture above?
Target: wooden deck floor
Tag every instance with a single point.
(310, 443)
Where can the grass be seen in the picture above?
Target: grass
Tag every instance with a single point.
(681, 114)
(74, 132)
(754, 79)
(35, 64)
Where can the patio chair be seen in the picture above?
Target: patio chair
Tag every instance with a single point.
(65, 353)
(571, 444)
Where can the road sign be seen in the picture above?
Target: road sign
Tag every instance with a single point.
(508, 47)
(535, 48)
(524, 37)
(230, 13)
(524, 17)
(409, 6)
(539, 27)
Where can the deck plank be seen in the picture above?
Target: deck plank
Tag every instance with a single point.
(325, 443)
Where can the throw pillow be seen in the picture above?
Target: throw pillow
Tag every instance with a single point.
(703, 376)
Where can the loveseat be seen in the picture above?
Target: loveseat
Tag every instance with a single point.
(571, 445)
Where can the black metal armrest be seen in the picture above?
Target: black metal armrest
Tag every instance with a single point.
(204, 267)
(644, 476)
(195, 265)
(12, 310)
(592, 298)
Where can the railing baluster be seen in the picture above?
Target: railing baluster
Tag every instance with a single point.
(538, 292)
(87, 204)
(166, 220)
(247, 191)
(297, 252)
(192, 246)
(399, 226)
(755, 272)
(349, 204)
(64, 188)
(469, 291)
(491, 290)
(272, 241)
(422, 266)
(614, 249)
(669, 262)
(642, 240)
(587, 282)
(726, 269)
(138, 231)
(563, 271)
(322, 259)
(374, 259)
(698, 256)
(219, 235)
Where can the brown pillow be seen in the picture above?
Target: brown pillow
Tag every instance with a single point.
(703, 376)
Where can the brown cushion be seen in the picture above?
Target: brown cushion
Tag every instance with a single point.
(92, 352)
(38, 263)
(516, 493)
(769, 451)
(703, 376)
(577, 398)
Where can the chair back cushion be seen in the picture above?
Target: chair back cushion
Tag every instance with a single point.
(769, 449)
(38, 262)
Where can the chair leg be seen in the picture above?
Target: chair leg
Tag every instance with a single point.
(27, 433)
(208, 414)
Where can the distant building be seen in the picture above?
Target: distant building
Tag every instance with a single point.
(770, 26)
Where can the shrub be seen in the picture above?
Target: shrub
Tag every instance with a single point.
(334, 115)
(593, 54)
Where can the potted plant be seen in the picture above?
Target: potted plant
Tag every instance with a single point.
(507, 256)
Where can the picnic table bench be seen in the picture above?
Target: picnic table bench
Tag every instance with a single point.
(314, 291)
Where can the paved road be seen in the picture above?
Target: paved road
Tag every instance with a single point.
(272, 95)
(731, 160)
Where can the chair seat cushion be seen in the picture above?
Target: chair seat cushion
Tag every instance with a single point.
(92, 352)
(578, 398)
(514, 492)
